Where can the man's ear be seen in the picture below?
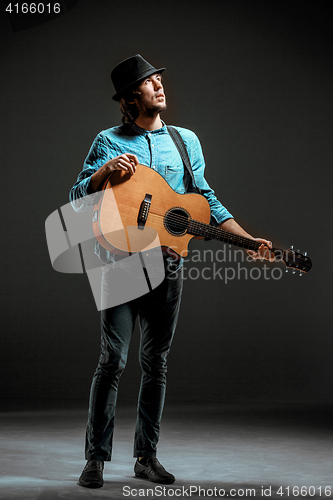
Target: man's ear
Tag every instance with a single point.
(134, 98)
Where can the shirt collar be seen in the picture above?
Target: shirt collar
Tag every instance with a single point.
(142, 131)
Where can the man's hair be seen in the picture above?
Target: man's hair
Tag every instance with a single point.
(129, 107)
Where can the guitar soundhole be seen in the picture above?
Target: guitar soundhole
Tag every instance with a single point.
(176, 221)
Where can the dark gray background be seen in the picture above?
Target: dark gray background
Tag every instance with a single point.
(253, 79)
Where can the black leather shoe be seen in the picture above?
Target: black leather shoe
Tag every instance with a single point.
(92, 474)
(153, 470)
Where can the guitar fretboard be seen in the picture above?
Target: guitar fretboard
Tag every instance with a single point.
(198, 228)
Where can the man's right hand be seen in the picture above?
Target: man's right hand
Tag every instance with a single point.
(126, 162)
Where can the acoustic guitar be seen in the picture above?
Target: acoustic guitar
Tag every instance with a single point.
(139, 212)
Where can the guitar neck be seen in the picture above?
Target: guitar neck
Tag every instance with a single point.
(198, 228)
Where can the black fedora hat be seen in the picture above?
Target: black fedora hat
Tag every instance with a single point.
(129, 72)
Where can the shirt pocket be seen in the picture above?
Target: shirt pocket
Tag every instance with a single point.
(174, 176)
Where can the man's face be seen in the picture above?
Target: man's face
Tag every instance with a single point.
(151, 99)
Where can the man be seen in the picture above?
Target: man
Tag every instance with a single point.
(142, 139)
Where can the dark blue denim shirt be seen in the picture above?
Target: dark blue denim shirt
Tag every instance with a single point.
(154, 149)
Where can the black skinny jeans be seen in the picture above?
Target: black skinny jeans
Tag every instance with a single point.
(157, 314)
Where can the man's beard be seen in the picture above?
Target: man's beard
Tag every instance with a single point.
(150, 110)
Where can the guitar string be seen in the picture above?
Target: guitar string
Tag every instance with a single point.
(206, 230)
(198, 228)
(201, 229)
(211, 229)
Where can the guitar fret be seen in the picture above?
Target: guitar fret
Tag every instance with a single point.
(198, 228)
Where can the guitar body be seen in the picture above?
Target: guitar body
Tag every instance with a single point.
(123, 222)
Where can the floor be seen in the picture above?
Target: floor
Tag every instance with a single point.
(213, 452)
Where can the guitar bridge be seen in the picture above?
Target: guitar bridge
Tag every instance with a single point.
(144, 211)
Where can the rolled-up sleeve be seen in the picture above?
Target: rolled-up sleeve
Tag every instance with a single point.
(97, 156)
(219, 213)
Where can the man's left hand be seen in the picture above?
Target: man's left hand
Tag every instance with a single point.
(263, 252)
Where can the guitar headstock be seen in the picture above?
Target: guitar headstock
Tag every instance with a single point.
(296, 261)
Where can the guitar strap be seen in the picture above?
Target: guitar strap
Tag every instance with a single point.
(180, 145)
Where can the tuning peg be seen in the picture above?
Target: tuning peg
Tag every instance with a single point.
(291, 247)
(294, 272)
(287, 270)
(300, 273)
(305, 254)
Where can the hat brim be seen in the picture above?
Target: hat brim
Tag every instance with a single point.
(118, 95)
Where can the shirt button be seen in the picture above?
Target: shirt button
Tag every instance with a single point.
(152, 146)
(154, 167)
